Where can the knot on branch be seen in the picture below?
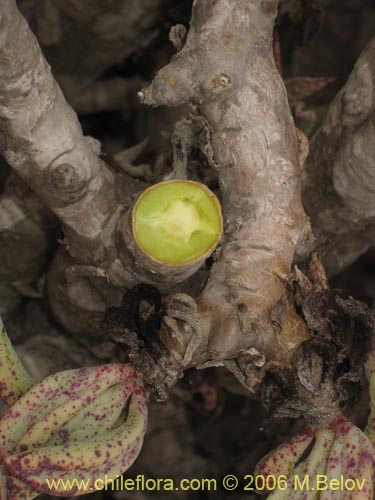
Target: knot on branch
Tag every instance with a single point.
(65, 177)
(177, 35)
(65, 182)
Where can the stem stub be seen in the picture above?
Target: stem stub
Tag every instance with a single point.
(177, 222)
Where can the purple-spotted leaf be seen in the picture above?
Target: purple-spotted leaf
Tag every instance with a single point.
(351, 457)
(106, 409)
(340, 450)
(79, 424)
(52, 402)
(282, 460)
(313, 464)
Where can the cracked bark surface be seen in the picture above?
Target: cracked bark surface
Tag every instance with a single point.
(63, 168)
(339, 176)
(241, 97)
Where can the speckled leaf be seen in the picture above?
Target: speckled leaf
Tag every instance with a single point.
(73, 425)
(102, 413)
(108, 455)
(351, 457)
(52, 402)
(14, 379)
(18, 490)
(314, 464)
(282, 460)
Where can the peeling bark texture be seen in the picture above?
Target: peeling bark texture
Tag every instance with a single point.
(27, 230)
(226, 69)
(339, 176)
(41, 139)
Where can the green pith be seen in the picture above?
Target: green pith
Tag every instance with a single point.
(177, 222)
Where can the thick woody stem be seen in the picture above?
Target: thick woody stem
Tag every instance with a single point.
(227, 69)
(339, 178)
(41, 138)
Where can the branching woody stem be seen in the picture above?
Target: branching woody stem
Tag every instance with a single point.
(41, 138)
(226, 69)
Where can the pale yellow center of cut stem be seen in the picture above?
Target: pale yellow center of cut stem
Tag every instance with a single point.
(180, 219)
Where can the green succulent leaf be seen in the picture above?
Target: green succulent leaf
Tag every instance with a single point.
(340, 449)
(79, 425)
(351, 456)
(282, 460)
(14, 379)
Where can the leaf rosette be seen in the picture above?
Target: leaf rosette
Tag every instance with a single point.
(333, 451)
(77, 425)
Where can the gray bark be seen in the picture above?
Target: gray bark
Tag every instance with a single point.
(41, 139)
(339, 175)
(226, 69)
